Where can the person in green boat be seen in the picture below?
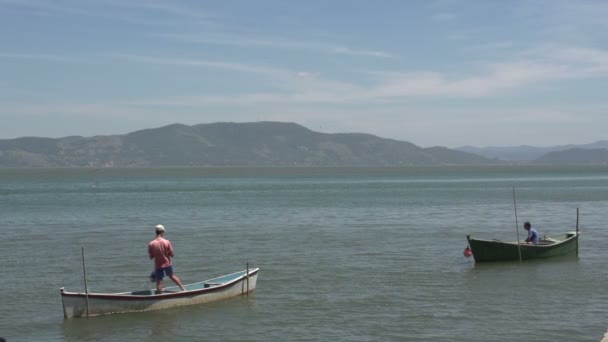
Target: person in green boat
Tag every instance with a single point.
(161, 250)
(533, 236)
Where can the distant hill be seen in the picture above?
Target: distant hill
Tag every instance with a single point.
(226, 144)
(575, 156)
(526, 153)
(449, 156)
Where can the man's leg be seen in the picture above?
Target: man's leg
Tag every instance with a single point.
(159, 286)
(169, 273)
(177, 281)
(159, 280)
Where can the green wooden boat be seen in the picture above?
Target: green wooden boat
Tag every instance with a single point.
(549, 246)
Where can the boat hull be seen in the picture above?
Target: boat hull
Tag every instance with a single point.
(494, 250)
(93, 304)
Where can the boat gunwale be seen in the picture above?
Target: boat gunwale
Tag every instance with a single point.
(523, 244)
(179, 294)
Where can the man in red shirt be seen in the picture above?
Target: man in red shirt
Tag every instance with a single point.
(161, 250)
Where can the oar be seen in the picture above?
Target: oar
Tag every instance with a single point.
(516, 225)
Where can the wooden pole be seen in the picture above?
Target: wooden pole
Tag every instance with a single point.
(247, 279)
(577, 237)
(86, 286)
(516, 225)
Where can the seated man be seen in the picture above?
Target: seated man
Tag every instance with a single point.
(533, 236)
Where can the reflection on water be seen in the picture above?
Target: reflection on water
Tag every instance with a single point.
(161, 325)
(561, 260)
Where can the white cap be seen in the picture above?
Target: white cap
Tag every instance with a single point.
(160, 228)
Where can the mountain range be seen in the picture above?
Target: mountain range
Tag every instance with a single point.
(226, 144)
(534, 154)
(269, 144)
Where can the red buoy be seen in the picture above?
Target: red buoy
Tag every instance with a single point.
(467, 252)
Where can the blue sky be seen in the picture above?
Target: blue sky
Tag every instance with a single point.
(450, 73)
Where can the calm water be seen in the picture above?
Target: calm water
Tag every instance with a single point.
(359, 254)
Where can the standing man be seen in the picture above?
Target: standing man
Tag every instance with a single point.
(161, 250)
(533, 236)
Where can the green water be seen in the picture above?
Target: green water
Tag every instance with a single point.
(346, 254)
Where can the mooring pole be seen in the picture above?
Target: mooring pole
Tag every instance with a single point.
(86, 286)
(247, 279)
(516, 225)
(577, 237)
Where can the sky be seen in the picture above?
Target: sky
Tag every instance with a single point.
(438, 72)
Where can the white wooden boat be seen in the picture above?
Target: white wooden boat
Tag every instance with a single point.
(78, 304)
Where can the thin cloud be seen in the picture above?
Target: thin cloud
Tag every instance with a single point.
(538, 116)
(307, 74)
(443, 16)
(580, 62)
(304, 84)
(184, 62)
(166, 8)
(495, 78)
(44, 7)
(596, 60)
(392, 88)
(91, 110)
(371, 53)
(44, 57)
(494, 46)
(234, 40)
(309, 87)
(301, 97)
(126, 11)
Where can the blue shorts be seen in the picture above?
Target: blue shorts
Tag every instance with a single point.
(161, 272)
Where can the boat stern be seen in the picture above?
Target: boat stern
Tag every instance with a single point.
(71, 305)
